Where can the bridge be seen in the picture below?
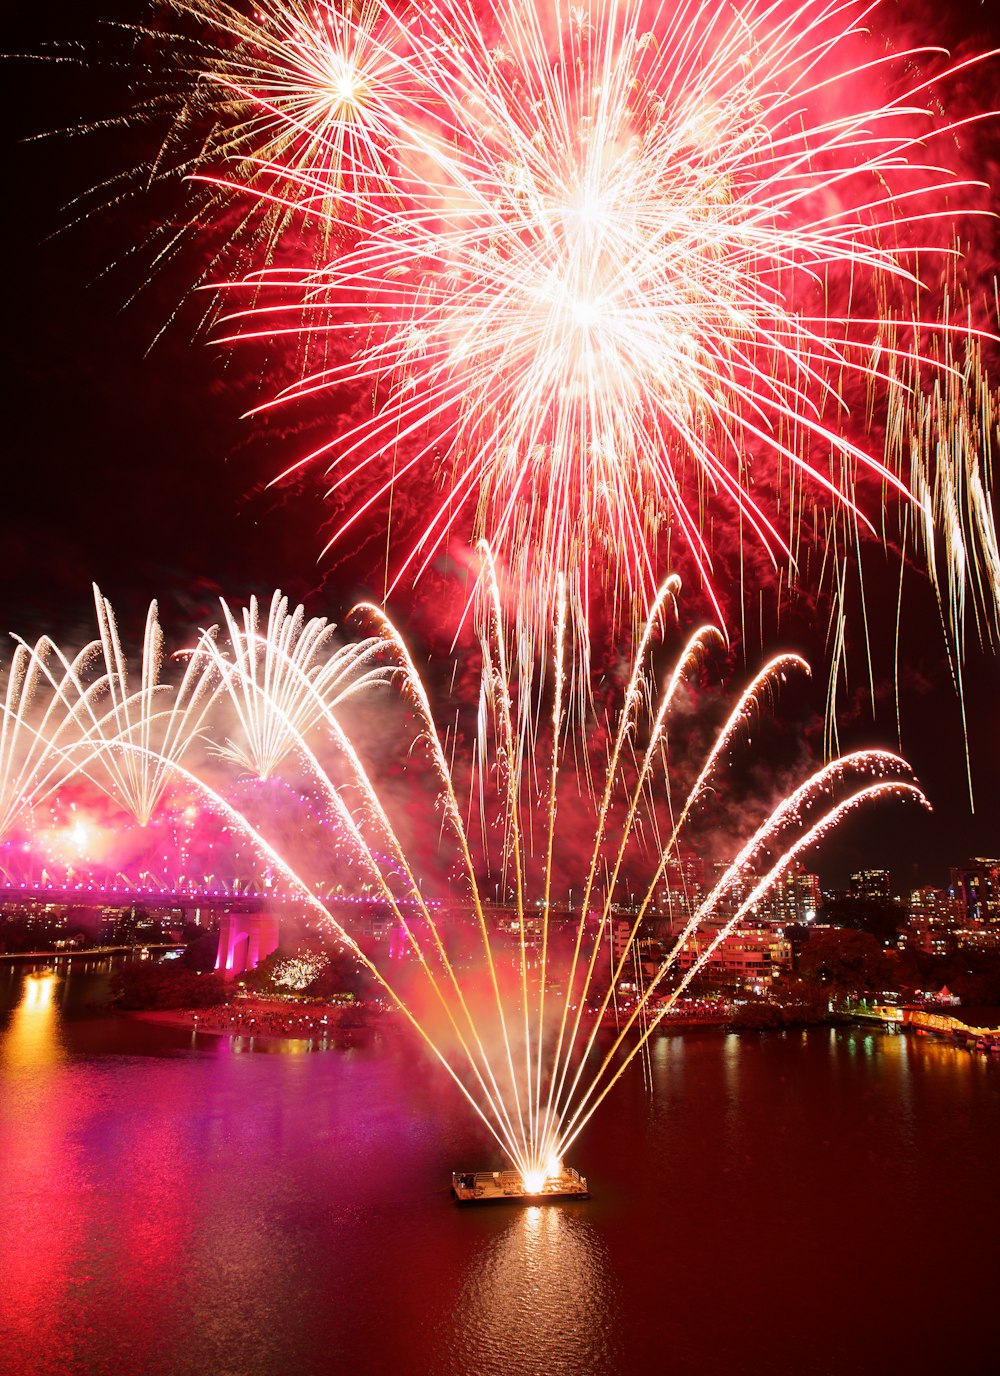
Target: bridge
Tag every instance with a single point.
(97, 894)
(119, 891)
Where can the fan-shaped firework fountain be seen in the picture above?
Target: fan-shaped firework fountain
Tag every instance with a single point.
(511, 996)
(159, 720)
(281, 680)
(508, 986)
(46, 710)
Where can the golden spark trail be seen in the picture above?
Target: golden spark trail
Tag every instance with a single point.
(533, 1099)
(747, 701)
(431, 738)
(588, 1103)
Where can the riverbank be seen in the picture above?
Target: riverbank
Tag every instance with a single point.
(261, 1018)
(284, 1018)
(91, 952)
(288, 1020)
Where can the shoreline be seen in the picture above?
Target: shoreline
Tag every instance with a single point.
(289, 1021)
(260, 1018)
(282, 1021)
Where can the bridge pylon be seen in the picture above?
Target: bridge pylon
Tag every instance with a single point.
(245, 939)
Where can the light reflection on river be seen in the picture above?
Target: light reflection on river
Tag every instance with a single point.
(173, 1205)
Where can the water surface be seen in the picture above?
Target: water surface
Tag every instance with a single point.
(170, 1205)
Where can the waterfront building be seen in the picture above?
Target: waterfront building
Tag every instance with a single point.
(686, 883)
(794, 900)
(751, 958)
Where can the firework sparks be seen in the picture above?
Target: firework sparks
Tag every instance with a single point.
(282, 122)
(46, 708)
(161, 721)
(515, 1024)
(648, 271)
(304, 105)
(282, 679)
(943, 423)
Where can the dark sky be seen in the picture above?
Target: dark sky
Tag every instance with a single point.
(127, 463)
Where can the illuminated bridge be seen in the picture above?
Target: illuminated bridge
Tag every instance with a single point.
(119, 890)
(105, 893)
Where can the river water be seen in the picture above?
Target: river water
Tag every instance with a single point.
(796, 1204)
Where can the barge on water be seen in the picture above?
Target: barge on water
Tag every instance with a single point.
(508, 1187)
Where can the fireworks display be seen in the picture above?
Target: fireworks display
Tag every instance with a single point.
(280, 681)
(508, 984)
(138, 736)
(628, 284)
(606, 290)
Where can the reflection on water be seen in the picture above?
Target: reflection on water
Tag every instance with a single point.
(32, 1036)
(287, 1046)
(175, 1205)
(38, 1223)
(541, 1286)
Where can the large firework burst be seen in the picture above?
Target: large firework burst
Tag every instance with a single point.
(648, 259)
(617, 287)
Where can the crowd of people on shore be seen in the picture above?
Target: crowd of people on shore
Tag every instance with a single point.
(266, 1018)
(260, 1019)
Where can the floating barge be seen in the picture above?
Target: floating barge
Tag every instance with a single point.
(507, 1187)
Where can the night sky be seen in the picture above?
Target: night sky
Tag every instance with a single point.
(127, 461)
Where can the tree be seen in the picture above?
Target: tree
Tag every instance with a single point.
(882, 917)
(342, 975)
(261, 978)
(201, 951)
(162, 984)
(847, 961)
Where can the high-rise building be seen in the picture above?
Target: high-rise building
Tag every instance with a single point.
(934, 916)
(871, 884)
(976, 886)
(793, 900)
